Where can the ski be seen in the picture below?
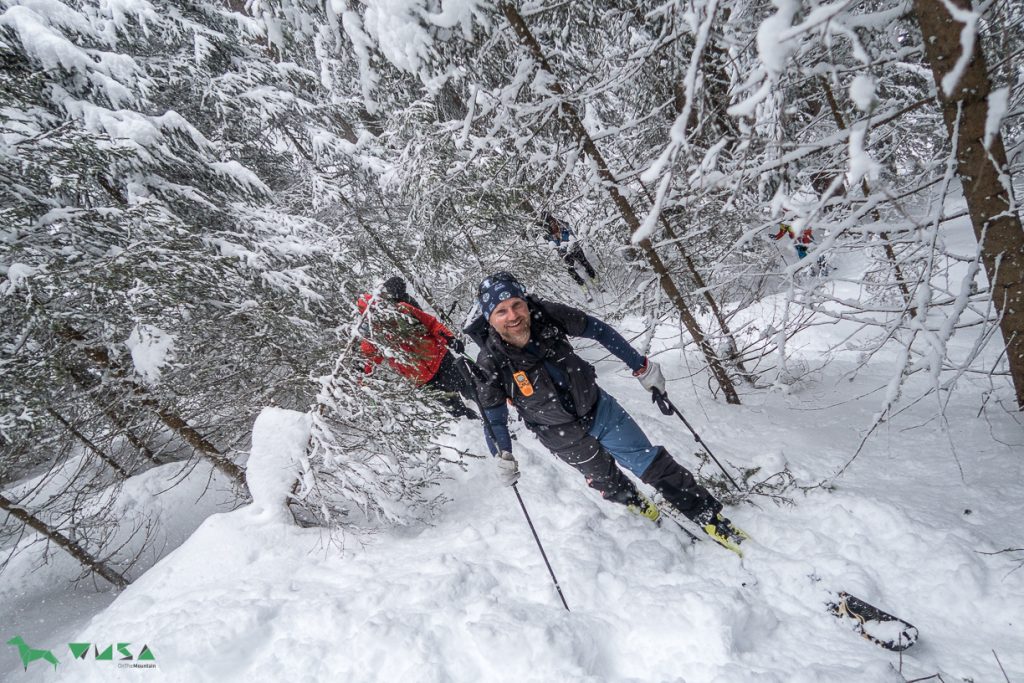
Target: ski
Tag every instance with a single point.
(670, 513)
(693, 537)
(879, 627)
(873, 624)
(693, 530)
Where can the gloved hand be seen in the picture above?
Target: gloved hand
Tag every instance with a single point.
(508, 468)
(650, 376)
(456, 345)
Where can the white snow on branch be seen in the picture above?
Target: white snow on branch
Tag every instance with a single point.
(397, 27)
(17, 274)
(151, 350)
(295, 280)
(748, 106)
(998, 101)
(862, 92)
(202, 49)
(362, 45)
(56, 14)
(46, 44)
(706, 175)
(230, 249)
(774, 52)
(647, 228)
(147, 135)
(119, 11)
(241, 175)
(271, 25)
(677, 134)
(404, 33)
(460, 13)
(861, 163)
(778, 38)
(968, 34)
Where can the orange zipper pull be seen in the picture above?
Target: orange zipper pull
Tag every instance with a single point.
(523, 382)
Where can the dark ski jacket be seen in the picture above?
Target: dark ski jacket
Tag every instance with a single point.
(553, 389)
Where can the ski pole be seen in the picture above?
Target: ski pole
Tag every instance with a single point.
(667, 408)
(544, 555)
(462, 364)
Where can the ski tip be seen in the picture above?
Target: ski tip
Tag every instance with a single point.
(729, 542)
(873, 624)
(726, 534)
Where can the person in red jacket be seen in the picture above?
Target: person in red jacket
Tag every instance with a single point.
(419, 339)
(800, 242)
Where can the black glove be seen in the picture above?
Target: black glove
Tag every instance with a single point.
(456, 345)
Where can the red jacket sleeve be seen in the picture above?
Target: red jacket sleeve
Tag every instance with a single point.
(434, 326)
(373, 356)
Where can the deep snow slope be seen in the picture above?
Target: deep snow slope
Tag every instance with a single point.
(467, 598)
(39, 597)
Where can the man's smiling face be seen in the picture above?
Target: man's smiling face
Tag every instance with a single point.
(511, 318)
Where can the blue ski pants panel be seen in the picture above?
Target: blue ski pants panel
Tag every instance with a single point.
(621, 436)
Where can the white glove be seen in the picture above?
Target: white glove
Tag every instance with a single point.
(508, 468)
(650, 376)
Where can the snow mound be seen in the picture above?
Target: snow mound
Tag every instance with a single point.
(279, 439)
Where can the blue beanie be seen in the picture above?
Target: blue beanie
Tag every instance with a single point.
(497, 288)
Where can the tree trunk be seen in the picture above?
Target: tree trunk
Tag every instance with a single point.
(567, 113)
(890, 253)
(172, 420)
(83, 556)
(698, 280)
(983, 172)
(100, 453)
(104, 402)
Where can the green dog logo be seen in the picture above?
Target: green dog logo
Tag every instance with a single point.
(29, 655)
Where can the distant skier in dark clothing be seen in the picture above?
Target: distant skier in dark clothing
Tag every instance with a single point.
(423, 340)
(527, 360)
(557, 232)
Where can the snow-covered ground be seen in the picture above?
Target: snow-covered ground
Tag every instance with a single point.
(39, 600)
(248, 597)
(909, 527)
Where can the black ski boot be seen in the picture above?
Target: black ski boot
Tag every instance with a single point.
(721, 530)
(643, 506)
(695, 502)
(634, 501)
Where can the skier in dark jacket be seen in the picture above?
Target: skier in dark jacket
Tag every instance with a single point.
(558, 233)
(423, 340)
(527, 359)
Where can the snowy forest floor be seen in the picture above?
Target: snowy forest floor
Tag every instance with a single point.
(467, 597)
